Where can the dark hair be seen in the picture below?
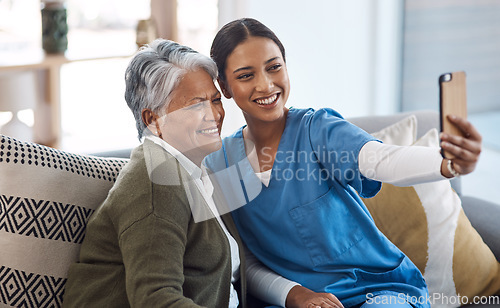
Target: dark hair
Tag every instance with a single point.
(234, 33)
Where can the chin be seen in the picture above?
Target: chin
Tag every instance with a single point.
(211, 147)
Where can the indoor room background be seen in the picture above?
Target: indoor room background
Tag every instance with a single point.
(360, 57)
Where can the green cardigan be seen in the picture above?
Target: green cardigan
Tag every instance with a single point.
(142, 247)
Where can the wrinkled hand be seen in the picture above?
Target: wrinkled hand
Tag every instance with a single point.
(301, 297)
(465, 149)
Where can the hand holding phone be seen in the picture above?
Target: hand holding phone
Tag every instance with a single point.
(452, 101)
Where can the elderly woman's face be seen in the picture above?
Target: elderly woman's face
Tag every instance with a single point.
(193, 120)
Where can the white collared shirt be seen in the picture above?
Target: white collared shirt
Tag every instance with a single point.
(206, 188)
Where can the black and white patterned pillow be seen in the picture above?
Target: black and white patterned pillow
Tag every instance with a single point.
(46, 199)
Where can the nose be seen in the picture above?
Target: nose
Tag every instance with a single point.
(264, 83)
(212, 112)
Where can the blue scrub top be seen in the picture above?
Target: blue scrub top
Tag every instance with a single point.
(309, 225)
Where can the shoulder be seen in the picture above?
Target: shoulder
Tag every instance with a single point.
(314, 117)
(327, 126)
(150, 184)
(323, 113)
(313, 112)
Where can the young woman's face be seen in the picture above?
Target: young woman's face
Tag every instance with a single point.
(257, 79)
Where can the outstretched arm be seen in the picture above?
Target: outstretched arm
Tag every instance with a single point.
(410, 165)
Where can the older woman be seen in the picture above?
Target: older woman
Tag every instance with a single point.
(158, 240)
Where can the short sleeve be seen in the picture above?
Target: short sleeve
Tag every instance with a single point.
(336, 144)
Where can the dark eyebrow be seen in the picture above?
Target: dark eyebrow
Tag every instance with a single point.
(242, 69)
(271, 60)
(249, 67)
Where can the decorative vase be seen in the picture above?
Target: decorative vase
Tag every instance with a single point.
(54, 27)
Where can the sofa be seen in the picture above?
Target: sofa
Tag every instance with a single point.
(48, 195)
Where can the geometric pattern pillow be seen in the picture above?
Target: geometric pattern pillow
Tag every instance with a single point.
(46, 198)
(426, 221)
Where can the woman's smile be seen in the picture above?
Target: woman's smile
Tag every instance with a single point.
(213, 131)
(268, 102)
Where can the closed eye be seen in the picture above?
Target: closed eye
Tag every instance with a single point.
(196, 106)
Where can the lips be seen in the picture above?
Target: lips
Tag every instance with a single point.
(267, 100)
(209, 131)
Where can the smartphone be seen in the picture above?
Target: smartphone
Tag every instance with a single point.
(452, 101)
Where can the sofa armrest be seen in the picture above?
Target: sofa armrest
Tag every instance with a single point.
(483, 215)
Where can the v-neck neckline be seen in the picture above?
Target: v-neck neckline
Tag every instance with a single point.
(280, 146)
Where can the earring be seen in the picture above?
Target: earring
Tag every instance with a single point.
(158, 131)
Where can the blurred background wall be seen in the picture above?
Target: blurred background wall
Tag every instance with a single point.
(361, 57)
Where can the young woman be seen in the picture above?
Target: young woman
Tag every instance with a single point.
(296, 175)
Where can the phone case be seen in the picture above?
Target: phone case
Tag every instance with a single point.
(453, 101)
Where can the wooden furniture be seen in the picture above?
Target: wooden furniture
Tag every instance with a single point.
(47, 127)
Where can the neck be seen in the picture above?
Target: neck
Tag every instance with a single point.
(266, 137)
(265, 133)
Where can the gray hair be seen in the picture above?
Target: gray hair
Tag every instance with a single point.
(155, 71)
